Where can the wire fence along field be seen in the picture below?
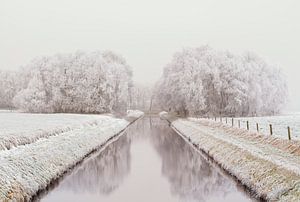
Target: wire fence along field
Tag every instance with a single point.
(286, 126)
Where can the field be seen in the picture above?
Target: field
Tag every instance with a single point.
(24, 128)
(279, 124)
(267, 165)
(38, 148)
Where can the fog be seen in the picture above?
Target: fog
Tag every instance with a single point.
(147, 33)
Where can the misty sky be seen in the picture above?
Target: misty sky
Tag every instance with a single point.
(147, 33)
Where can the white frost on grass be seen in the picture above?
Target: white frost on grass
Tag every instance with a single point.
(134, 113)
(26, 169)
(24, 128)
(267, 165)
(163, 113)
(279, 124)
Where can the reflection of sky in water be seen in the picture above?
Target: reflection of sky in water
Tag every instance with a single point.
(149, 163)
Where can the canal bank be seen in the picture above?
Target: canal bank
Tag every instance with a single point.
(149, 162)
(27, 169)
(263, 164)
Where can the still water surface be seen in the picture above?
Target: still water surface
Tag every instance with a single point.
(150, 162)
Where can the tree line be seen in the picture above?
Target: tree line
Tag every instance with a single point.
(197, 81)
(80, 82)
(204, 81)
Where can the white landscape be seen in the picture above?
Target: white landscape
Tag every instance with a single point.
(279, 125)
(25, 128)
(144, 100)
(268, 165)
(26, 169)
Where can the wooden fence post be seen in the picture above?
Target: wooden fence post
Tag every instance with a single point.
(271, 129)
(257, 128)
(215, 118)
(239, 123)
(289, 133)
(220, 119)
(232, 122)
(226, 120)
(247, 125)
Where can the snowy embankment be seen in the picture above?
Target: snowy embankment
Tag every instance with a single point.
(163, 113)
(134, 114)
(26, 169)
(25, 128)
(269, 166)
(279, 124)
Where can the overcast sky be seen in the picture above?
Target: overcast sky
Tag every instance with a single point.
(147, 33)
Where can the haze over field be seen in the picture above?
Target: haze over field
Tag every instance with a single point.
(204, 91)
(147, 33)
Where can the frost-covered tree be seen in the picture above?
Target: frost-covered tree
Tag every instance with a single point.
(8, 88)
(80, 82)
(204, 81)
(142, 97)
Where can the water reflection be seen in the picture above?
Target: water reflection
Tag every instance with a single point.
(149, 154)
(191, 176)
(104, 173)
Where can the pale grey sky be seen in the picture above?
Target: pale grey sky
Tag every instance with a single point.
(147, 33)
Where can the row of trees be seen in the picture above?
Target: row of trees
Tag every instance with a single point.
(142, 97)
(209, 82)
(80, 82)
(199, 81)
(8, 88)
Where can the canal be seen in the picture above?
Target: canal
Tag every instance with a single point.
(149, 162)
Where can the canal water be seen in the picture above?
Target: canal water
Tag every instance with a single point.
(149, 162)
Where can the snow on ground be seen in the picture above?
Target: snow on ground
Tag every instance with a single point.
(163, 113)
(134, 113)
(268, 165)
(26, 169)
(24, 128)
(279, 124)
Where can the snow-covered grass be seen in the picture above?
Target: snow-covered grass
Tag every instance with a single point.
(134, 113)
(270, 166)
(24, 128)
(26, 169)
(163, 113)
(279, 124)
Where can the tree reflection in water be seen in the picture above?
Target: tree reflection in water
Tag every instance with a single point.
(191, 177)
(103, 173)
(187, 175)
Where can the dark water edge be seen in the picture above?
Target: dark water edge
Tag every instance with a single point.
(148, 162)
